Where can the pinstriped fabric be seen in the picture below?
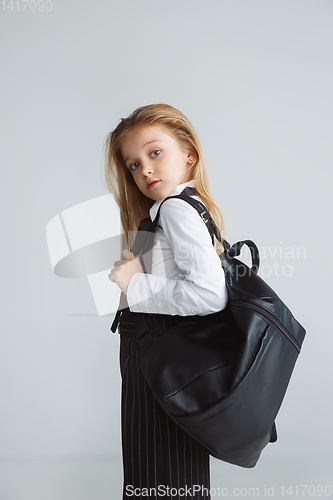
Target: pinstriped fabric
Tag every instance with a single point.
(155, 450)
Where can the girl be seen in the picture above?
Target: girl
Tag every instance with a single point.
(152, 154)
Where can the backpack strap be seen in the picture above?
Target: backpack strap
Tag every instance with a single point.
(231, 251)
(185, 195)
(140, 241)
(144, 241)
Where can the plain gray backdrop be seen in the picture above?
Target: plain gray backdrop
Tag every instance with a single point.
(255, 77)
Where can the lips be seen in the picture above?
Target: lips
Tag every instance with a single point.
(152, 184)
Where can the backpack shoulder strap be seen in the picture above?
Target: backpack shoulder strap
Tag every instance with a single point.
(144, 241)
(200, 208)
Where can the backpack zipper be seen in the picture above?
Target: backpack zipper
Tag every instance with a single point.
(270, 318)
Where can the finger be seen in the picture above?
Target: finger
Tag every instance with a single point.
(120, 262)
(126, 254)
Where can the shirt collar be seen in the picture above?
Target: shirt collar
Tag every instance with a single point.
(154, 208)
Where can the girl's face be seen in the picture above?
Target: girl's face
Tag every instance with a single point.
(151, 154)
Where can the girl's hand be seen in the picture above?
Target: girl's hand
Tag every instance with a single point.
(124, 269)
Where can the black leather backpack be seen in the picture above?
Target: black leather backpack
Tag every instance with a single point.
(222, 377)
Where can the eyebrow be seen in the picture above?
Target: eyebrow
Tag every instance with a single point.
(149, 142)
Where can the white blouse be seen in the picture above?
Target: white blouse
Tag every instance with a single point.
(187, 277)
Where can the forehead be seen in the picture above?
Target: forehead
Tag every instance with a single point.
(139, 136)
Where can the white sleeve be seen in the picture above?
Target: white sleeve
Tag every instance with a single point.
(202, 289)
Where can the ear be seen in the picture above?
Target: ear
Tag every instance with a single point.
(191, 157)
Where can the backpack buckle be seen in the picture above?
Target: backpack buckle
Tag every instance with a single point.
(204, 217)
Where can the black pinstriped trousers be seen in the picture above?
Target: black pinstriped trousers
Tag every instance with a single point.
(157, 454)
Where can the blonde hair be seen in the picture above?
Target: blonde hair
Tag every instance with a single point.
(133, 204)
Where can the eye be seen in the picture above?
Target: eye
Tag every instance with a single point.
(156, 151)
(153, 154)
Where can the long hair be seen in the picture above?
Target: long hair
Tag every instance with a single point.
(133, 204)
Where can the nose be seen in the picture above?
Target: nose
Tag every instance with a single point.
(146, 168)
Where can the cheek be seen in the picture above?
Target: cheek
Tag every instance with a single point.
(136, 180)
